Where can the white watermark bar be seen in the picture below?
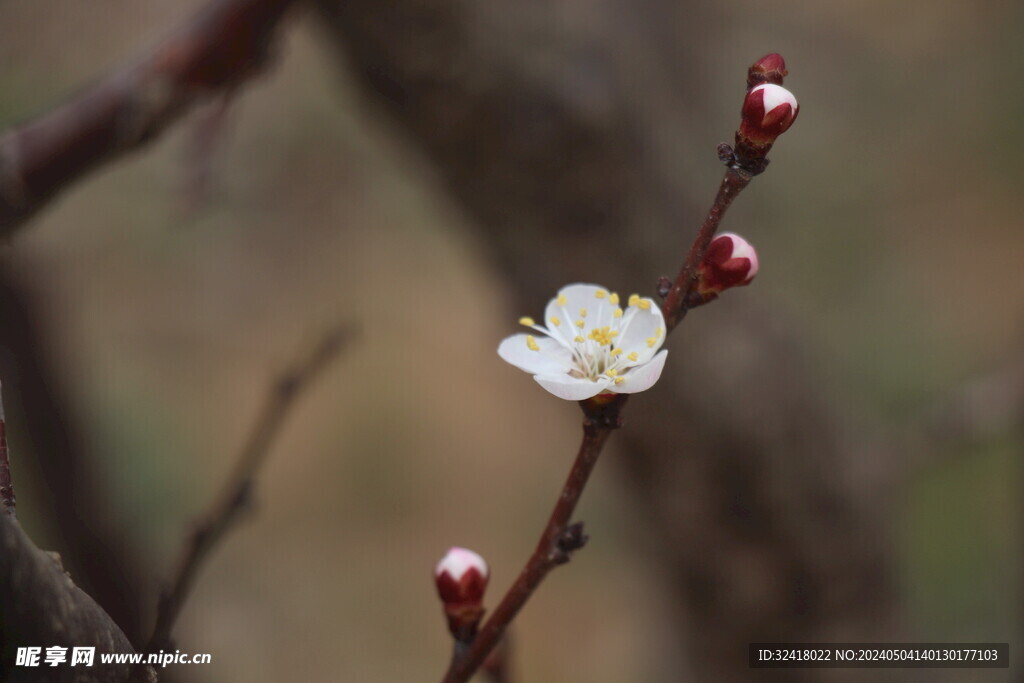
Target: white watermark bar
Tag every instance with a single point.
(58, 656)
(879, 655)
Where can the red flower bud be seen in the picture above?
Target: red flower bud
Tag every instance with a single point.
(730, 261)
(769, 69)
(768, 112)
(461, 578)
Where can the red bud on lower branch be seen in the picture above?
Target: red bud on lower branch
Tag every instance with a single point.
(730, 261)
(461, 578)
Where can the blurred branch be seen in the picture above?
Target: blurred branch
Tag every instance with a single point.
(204, 142)
(7, 497)
(985, 407)
(237, 492)
(979, 410)
(223, 45)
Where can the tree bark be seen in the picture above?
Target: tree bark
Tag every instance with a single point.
(41, 607)
(96, 546)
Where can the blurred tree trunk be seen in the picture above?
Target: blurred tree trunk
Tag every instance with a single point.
(98, 551)
(549, 123)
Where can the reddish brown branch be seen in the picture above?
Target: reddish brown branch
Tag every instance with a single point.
(237, 491)
(598, 424)
(7, 498)
(226, 43)
(556, 544)
(674, 307)
(498, 665)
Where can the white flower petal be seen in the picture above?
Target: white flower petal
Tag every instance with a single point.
(551, 359)
(577, 298)
(572, 388)
(642, 377)
(641, 327)
(457, 561)
(775, 96)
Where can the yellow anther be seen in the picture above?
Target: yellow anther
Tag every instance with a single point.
(634, 299)
(616, 352)
(613, 333)
(580, 324)
(602, 335)
(651, 341)
(531, 343)
(527, 320)
(657, 333)
(578, 339)
(600, 294)
(555, 320)
(633, 356)
(620, 380)
(614, 299)
(583, 313)
(617, 313)
(644, 304)
(612, 372)
(561, 300)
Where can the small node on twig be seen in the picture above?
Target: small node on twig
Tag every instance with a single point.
(570, 540)
(726, 155)
(603, 411)
(287, 385)
(244, 500)
(664, 286)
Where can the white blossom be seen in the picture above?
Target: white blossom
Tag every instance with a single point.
(591, 345)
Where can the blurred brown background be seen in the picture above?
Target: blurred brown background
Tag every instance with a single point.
(433, 171)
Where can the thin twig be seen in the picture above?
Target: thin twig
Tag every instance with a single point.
(674, 307)
(237, 491)
(7, 497)
(556, 544)
(597, 426)
(224, 44)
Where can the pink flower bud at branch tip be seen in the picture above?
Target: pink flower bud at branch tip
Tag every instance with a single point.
(769, 69)
(768, 112)
(730, 261)
(461, 579)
